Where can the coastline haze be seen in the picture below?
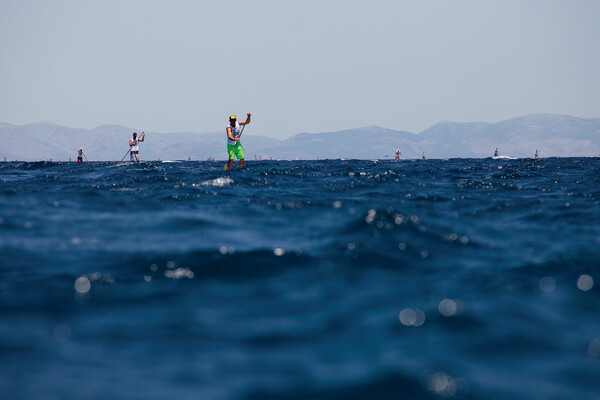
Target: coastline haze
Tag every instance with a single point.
(552, 135)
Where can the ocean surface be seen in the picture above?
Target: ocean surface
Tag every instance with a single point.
(338, 279)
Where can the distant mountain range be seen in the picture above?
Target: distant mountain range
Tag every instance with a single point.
(552, 135)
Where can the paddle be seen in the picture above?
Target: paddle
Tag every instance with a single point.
(125, 155)
(236, 143)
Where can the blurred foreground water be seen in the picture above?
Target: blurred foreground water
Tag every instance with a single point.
(341, 279)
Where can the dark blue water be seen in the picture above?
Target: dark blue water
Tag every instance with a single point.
(470, 278)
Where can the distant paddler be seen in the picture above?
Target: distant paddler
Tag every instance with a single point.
(398, 154)
(80, 155)
(423, 156)
(536, 153)
(496, 152)
(234, 146)
(134, 152)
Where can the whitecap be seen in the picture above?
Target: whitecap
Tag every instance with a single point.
(218, 182)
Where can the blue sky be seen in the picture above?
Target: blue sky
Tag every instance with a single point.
(309, 66)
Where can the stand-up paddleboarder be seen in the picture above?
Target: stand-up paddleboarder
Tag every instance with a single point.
(234, 147)
(134, 152)
(80, 155)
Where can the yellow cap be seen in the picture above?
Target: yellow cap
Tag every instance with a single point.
(232, 117)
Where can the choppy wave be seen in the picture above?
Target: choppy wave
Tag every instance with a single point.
(325, 279)
(218, 182)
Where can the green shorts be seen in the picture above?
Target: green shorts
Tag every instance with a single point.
(235, 151)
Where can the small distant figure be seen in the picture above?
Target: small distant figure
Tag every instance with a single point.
(496, 152)
(536, 153)
(423, 156)
(189, 158)
(134, 152)
(80, 155)
(398, 154)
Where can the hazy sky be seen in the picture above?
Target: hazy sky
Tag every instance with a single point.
(302, 66)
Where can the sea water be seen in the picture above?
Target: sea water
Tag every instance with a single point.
(337, 279)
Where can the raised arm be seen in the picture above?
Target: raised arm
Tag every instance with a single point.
(247, 120)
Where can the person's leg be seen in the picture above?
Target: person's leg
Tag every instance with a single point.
(240, 154)
(131, 156)
(231, 155)
(137, 157)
